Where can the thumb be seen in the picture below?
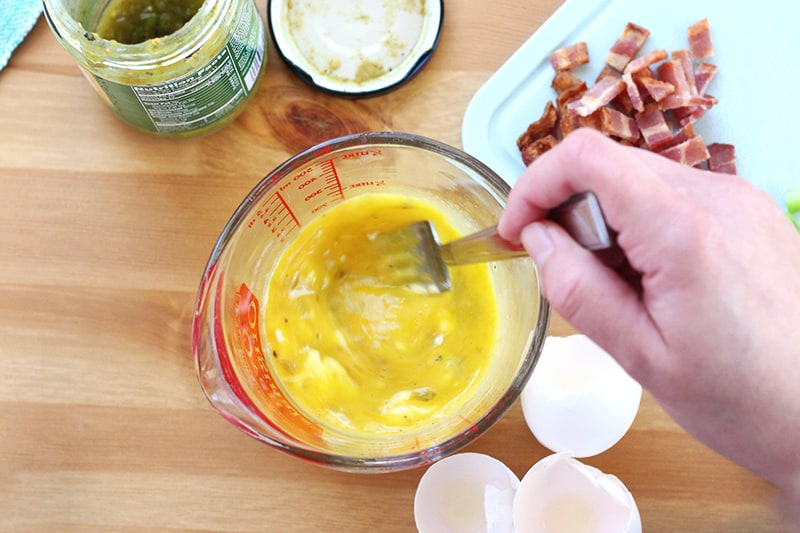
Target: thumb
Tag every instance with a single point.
(592, 297)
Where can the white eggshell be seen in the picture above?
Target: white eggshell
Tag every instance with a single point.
(579, 399)
(560, 494)
(466, 493)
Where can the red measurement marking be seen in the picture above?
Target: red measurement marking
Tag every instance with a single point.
(333, 187)
(288, 209)
(250, 378)
(276, 214)
(279, 217)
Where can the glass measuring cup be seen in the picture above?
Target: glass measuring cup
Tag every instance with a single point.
(230, 347)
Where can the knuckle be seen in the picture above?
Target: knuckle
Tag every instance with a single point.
(582, 144)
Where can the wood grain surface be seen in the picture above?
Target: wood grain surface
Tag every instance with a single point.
(104, 232)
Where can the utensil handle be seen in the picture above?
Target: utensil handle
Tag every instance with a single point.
(480, 247)
(580, 216)
(583, 219)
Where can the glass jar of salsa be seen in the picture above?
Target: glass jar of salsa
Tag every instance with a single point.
(169, 67)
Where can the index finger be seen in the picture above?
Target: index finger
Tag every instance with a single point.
(631, 184)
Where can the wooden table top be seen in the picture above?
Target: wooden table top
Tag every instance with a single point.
(104, 233)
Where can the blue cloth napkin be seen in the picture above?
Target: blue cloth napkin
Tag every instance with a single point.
(17, 17)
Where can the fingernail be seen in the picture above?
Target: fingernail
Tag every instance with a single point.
(536, 239)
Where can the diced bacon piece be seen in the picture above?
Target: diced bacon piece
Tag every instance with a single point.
(623, 103)
(690, 153)
(650, 58)
(672, 72)
(657, 89)
(633, 92)
(703, 75)
(635, 66)
(692, 115)
(612, 123)
(700, 39)
(593, 121)
(645, 78)
(675, 101)
(544, 126)
(619, 125)
(681, 136)
(605, 71)
(573, 93)
(640, 76)
(722, 158)
(627, 46)
(701, 78)
(681, 114)
(567, 121)
(643, 74)
(688, 69)
(570, 56)
(655, 130)
(680, 100)
(663, 95)
(537, 148)
(563, 80)
(598, 95)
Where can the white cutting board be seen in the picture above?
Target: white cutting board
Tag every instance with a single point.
(757, 50)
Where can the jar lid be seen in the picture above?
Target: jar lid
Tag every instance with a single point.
(355, 48)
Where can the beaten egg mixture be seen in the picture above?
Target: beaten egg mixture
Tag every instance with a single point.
(364, 356)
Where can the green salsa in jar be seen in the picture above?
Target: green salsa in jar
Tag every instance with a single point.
(177, 68)
(136, 21)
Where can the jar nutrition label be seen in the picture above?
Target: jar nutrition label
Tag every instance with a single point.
(201, 98)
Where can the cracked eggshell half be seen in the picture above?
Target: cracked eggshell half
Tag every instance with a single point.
(466, 492)
(355, 48)
(579, 400)
(559, 494)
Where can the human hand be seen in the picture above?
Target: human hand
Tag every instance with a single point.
(710, 326)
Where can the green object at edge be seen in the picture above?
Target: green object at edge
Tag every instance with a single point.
(793, 207)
